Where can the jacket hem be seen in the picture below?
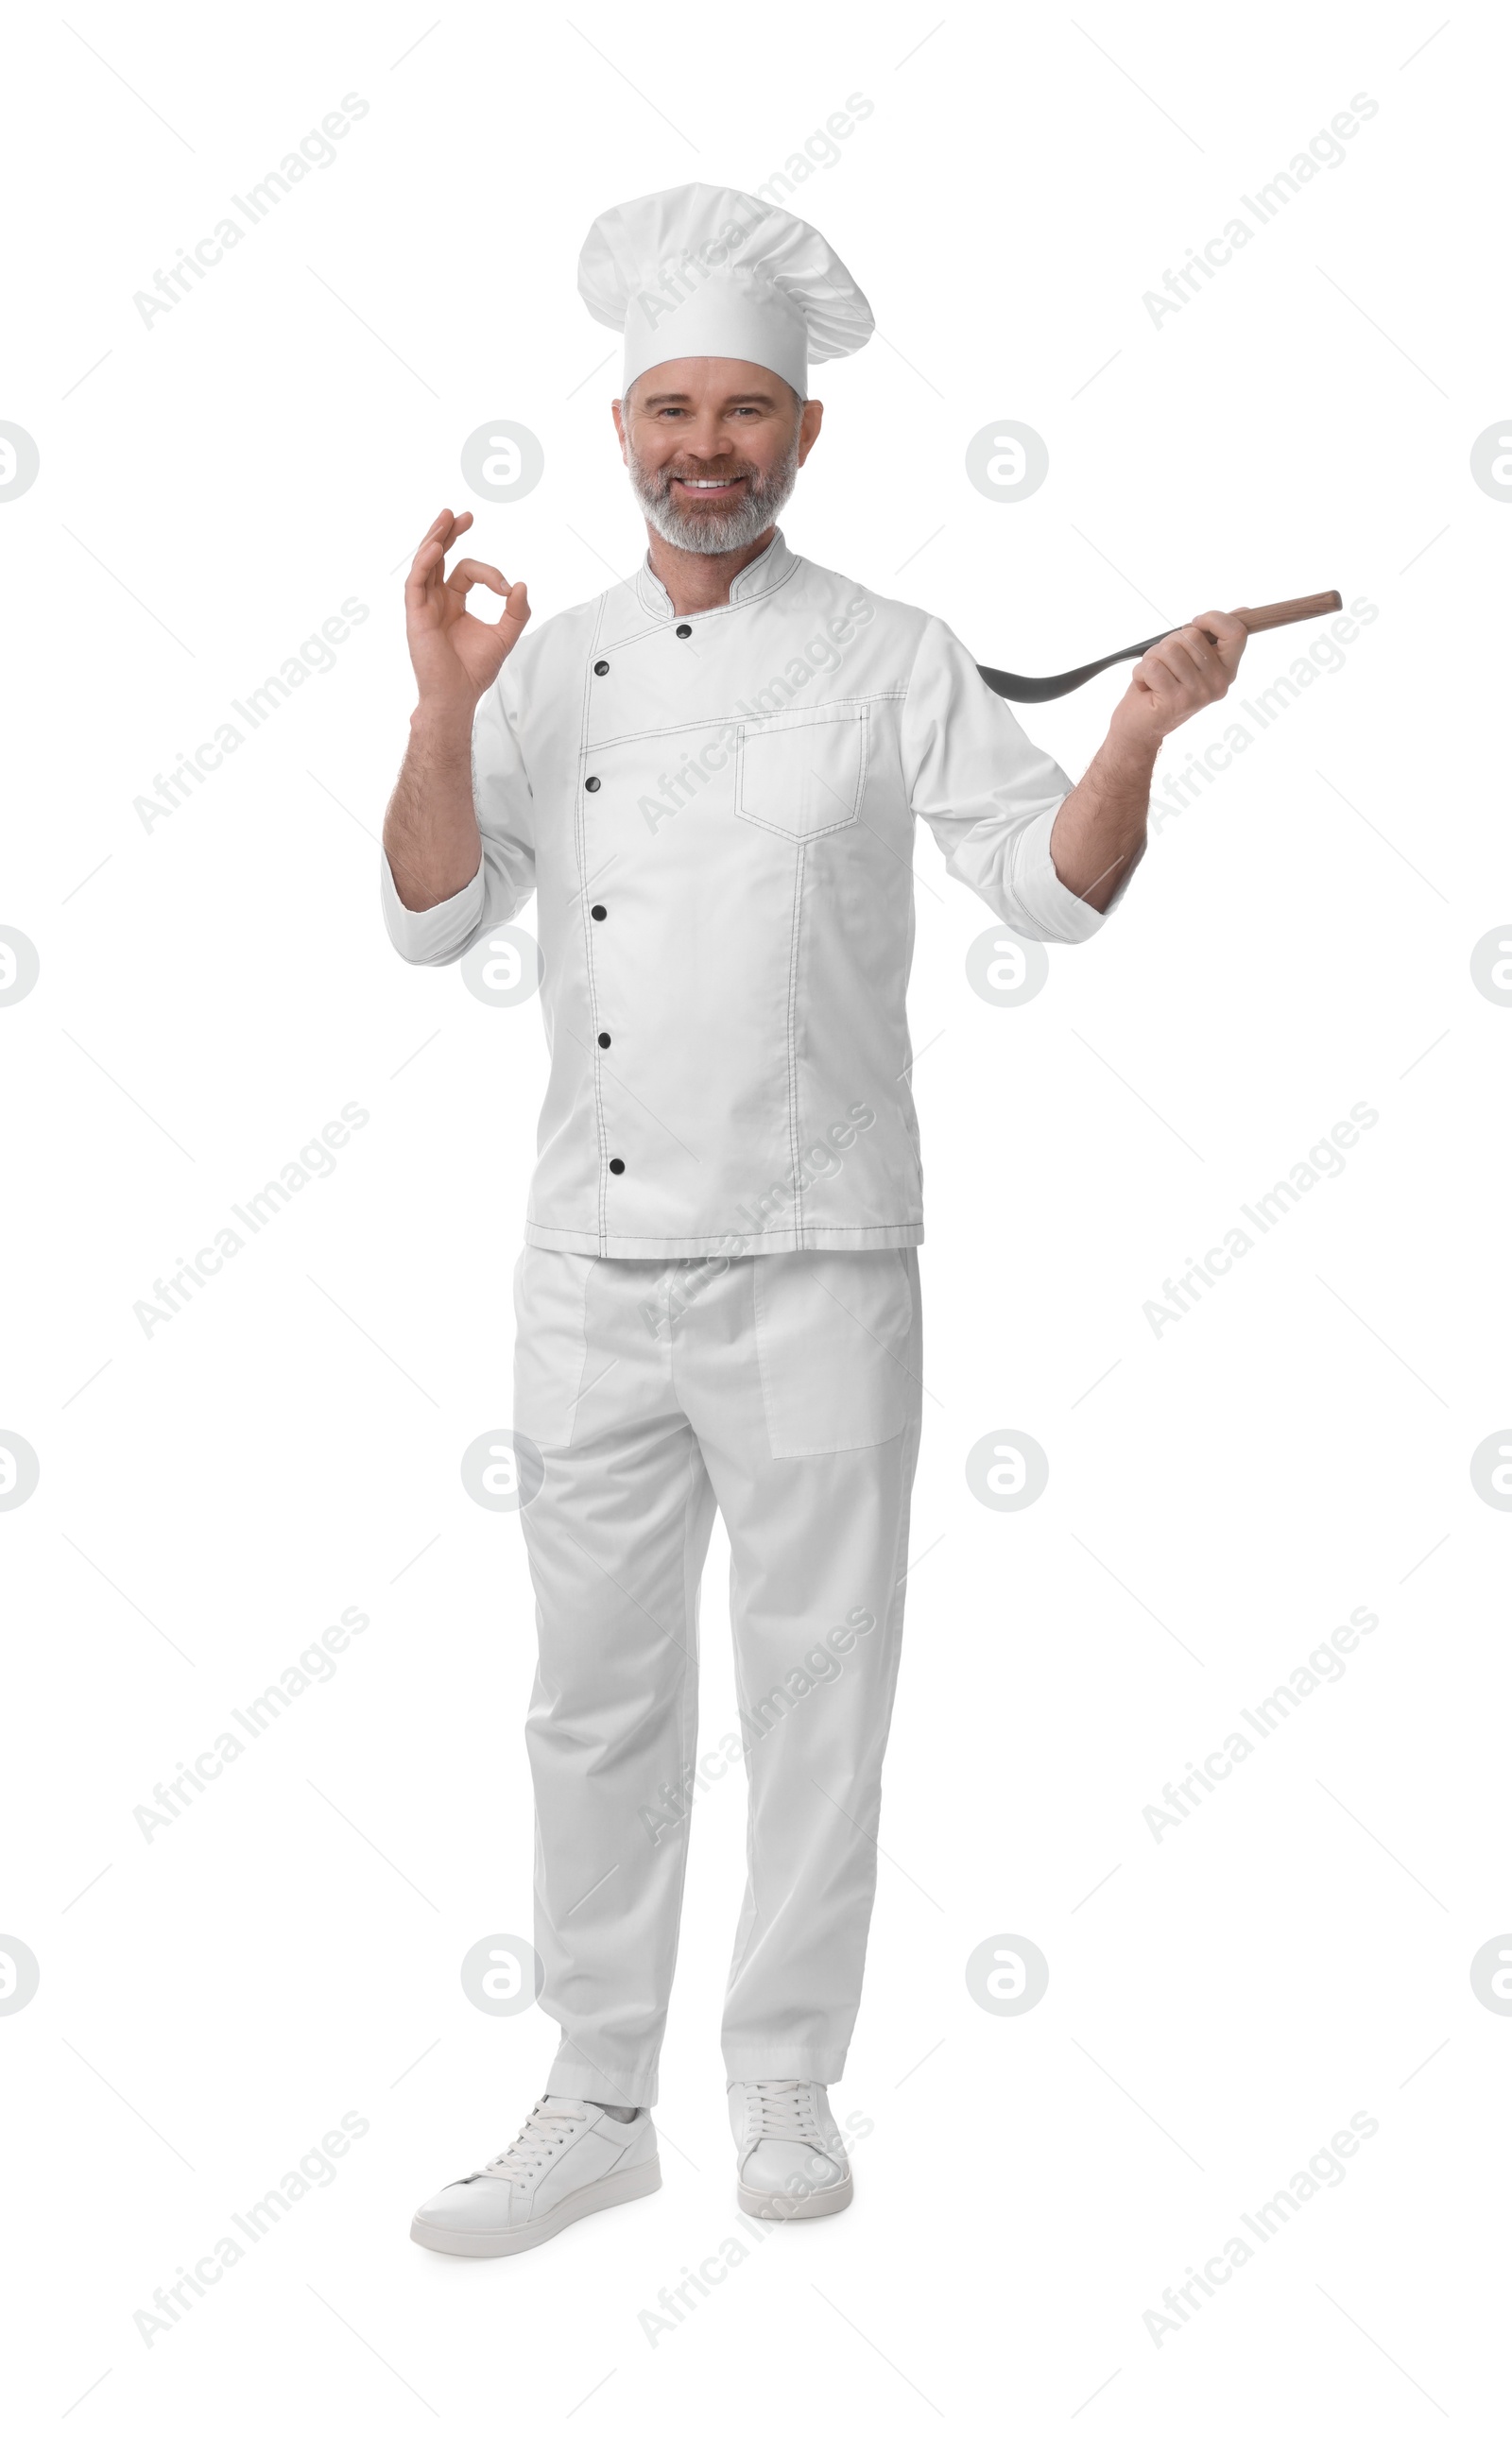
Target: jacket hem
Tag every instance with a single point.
(771, 1240)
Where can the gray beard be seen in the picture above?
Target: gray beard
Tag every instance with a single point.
(708, 531)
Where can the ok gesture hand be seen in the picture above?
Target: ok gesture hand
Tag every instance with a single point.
(456, 656)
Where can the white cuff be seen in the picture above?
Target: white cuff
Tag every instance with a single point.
(436, 934)
(1058, 911)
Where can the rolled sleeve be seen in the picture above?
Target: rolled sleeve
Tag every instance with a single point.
(505, 880)
(435, 935)
(989, 796)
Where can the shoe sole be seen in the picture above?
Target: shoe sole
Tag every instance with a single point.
(481, 2243)
(818, 2204)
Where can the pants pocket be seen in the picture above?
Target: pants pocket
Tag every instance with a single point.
(837, 1348)
(551, 1342)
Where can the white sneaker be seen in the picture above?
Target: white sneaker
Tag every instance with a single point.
(791, 2161)
(570, 2158)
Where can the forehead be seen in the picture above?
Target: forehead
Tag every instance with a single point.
(709, 380)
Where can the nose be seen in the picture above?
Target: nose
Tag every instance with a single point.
(706, 438)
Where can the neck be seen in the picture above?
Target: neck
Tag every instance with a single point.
(700, 580)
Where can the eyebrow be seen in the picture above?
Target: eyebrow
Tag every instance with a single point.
(684, 397)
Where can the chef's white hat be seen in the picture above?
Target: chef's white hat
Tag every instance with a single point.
(708, 271)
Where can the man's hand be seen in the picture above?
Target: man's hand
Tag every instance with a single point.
(455, 656)
(1179, 676)
(430, 830)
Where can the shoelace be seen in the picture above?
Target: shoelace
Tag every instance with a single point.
(784, 2111)
(542, 2135)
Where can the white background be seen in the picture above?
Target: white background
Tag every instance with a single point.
(215, 988)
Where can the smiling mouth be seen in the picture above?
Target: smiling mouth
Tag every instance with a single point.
(699, 488)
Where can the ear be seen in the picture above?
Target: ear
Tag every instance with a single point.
(808, 428)
(616, 409)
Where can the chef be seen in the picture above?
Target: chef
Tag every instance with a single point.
(709, 778)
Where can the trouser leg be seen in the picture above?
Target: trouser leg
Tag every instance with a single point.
(617, 1535)
(797, 1598)
(818, 1532)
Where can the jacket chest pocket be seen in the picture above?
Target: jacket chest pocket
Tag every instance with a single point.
(800, 773)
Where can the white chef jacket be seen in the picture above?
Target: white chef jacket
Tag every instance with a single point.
(717, 813)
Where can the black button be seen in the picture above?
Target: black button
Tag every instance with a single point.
(604, 1041)
(685, 632)
(616, 1168)
(592, 785)
(601, 668)
(598, 912)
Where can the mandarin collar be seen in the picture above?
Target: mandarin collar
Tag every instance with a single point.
(764, 574)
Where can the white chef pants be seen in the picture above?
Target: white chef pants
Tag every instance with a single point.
(784, 1387)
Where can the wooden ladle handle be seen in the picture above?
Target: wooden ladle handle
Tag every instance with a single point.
(1288, 613)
